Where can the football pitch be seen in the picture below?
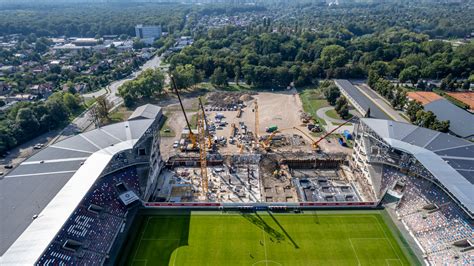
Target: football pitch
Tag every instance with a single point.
(263, 238)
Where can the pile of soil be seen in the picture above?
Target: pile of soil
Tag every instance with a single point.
(227, 99)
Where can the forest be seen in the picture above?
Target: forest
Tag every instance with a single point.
(265, 59)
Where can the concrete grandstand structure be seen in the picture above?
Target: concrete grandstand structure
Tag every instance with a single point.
(431, 175)
(52, 198)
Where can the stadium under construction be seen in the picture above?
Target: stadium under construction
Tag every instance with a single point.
(77, 201)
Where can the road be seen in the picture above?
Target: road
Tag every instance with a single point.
(380, 102)
(83, 122)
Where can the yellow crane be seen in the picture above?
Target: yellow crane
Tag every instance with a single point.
(206, 130)
(201, 118)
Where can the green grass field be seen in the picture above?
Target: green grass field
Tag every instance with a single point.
(262, 238)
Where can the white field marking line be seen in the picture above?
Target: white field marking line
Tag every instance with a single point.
(265, 247)
(350, 241)
(387, 260)
(267, 261)
(386, 237)
(139, 242)
(355, 252)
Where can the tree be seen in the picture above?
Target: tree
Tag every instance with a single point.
(441, 126)
(151, 82)
(412, 109)
(148, 84)
(72, 102)
(186, 76)
(466, 85)
(411, 74)
(344, 111)
(334, 56)
(138, 44)
(57, 110)
(27, 123)
(332, 93)
(237, 73)
(425, 119)
(219, 78)
(100, 111)
(341, 101)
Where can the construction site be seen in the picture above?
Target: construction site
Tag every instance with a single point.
(253, 147)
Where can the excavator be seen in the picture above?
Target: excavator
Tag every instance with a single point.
(191, 137)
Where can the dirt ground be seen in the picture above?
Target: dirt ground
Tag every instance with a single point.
(282, 109)
(176, 121)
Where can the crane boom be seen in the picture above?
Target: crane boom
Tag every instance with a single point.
(192, 137)
(202, 152)
(209, 138)
(315, 144)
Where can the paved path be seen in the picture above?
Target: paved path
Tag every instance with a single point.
(380, 102)
(322, 114)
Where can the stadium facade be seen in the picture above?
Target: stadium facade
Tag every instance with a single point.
(87, 185)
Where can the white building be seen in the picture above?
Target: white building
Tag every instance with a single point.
(148, 34)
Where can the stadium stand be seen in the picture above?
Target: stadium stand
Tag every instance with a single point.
(79, 219)
(94, 232)
(436, 196)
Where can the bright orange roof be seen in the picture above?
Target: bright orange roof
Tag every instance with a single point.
(424, 97)
(465, 97)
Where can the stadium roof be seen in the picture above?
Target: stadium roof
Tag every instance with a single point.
(361, 99)
(461, 121)
(52, 183)
(147, 111)
(447, 158)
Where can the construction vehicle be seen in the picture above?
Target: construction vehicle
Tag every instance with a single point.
(271, 129)
(267, 143)
(191, 137)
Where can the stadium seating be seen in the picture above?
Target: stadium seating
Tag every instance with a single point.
(433, 218)
(93, 232)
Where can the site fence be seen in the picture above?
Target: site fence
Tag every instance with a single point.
(263, 206)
